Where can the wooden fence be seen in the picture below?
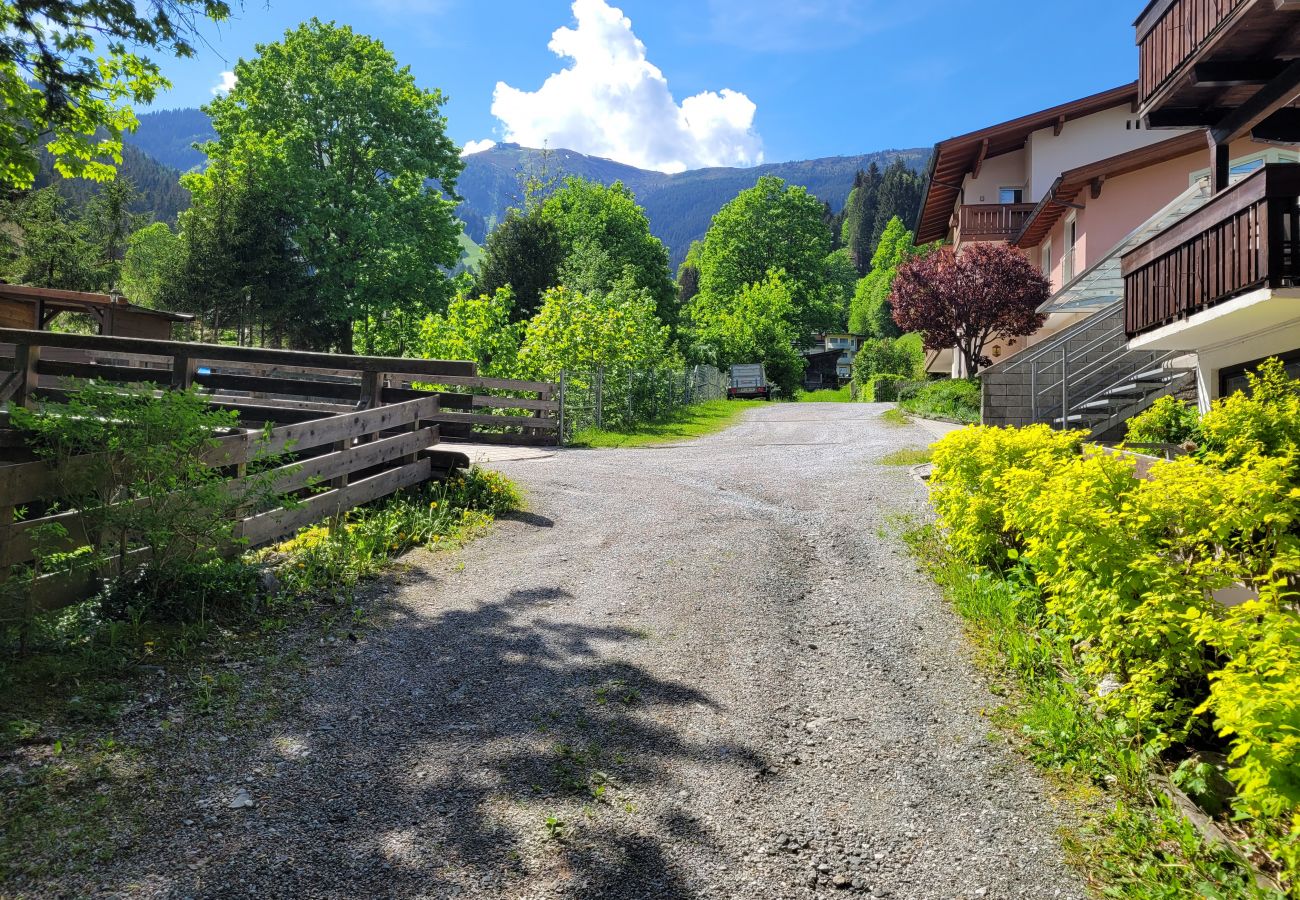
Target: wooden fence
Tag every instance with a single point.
(360, 427)
(285, 386)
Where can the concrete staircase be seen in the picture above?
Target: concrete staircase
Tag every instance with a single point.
(1083, 377)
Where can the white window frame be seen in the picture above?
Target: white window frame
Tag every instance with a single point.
(1263, 157)
(1047, 259)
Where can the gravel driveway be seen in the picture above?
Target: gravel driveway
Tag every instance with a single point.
(696, 671)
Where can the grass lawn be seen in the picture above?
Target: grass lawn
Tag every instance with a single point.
(683, 424)
(827, 396)
(908, 457)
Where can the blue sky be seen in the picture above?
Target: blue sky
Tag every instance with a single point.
(769, 79)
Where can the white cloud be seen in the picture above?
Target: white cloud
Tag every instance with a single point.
(225, 85)
(611, 101)
(477, 146)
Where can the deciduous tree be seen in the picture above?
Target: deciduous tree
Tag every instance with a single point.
(756, 325)
(66, 74)
(771, 226)
(475, 327)
(606, 235)
(964, 301)
(356, 155)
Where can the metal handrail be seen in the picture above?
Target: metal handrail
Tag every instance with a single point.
(1030, 354)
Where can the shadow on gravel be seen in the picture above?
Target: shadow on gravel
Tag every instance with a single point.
(529, 519)
(431, 756)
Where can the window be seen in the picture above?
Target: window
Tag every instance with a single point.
(1047, 260)
(1067, 255)
(1233, 378)
(1246, 164)
(1011, 195)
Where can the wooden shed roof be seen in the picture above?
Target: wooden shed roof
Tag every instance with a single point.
(82, 301)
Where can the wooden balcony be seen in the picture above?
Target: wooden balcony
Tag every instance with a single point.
(1209, 55)
(991, 221)
(1246, 238)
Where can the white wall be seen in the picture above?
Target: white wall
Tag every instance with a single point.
(1007, 170)
(1210, 361)
(1083, 141)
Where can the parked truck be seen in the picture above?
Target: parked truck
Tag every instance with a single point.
(749, 382)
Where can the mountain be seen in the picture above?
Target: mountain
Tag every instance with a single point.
(159, 186)
(169, 136)
(680, 206)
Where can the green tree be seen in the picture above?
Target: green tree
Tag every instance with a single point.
(240, 263)
(523, 253)
(841, 281)
(859, 218)
(154, 266)
(616, 331)
(65, 72)
(109, 223)
(756, 325)
(606, 237)
(688, 274)
(479, 328)
(771, 226)
(899, 196)
(53, 249)
(356, 156)
(871, 312)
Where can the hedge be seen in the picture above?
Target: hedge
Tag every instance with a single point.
(1128, 567)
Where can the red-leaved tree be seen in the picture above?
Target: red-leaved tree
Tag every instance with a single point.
(966, 300)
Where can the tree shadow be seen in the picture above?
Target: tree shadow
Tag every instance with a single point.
(487, 747)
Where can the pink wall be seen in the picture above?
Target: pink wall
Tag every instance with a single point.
(1125, 203)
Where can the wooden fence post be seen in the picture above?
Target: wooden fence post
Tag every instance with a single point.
(183, 370)
(26, 359)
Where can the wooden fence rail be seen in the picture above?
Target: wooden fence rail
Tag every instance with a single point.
(361, 427)
(284, 386)
(357, 458)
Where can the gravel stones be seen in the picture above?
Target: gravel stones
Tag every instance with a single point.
(707, 675)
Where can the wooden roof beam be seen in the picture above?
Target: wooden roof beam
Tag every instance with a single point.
(1059, 126)
(1096, 186)
(980, 157)
(1236, 72)
(1278, 93)
(1283, 127)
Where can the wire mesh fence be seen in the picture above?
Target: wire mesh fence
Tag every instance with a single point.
(598, 398)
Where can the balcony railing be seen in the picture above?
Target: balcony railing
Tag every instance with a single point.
(1171, 32)
(992, 221)
(1247, 237)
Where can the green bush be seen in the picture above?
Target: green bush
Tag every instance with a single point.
(883, 356)
(883, 388)
(1127, 569)
(141, 483)
(1167, 421)
(956, 399)
(966, 488)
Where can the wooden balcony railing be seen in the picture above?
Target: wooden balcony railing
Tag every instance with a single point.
(1247, 237)
(992, 221)
(1171, 32)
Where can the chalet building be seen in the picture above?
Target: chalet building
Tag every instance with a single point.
(1122, 198)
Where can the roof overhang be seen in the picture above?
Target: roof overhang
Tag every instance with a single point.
(83, 301)
(957, 157)
(1092, 177)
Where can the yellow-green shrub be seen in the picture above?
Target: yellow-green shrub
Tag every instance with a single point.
(965, 489)
(1129, 565)
(1267, 422)
(1255, 701)
(1167, 421)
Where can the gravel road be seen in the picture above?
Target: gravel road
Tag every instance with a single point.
(697, 671)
